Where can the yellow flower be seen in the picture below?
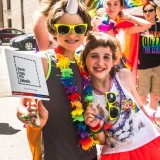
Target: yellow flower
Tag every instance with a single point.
(77, 111)
(63, 63)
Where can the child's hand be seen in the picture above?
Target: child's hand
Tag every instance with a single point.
(91, 116)
(37, 114)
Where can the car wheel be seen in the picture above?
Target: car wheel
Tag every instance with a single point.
(1, 41)
(28, 46)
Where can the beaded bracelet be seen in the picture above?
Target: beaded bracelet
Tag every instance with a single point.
(26, 118)
(98, 128)
(153, 117)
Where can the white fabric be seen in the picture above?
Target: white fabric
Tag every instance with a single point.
(137, 131)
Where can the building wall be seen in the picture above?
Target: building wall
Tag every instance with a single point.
(29, 7)
(1, 18)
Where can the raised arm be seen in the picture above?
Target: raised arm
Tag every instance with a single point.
(140, 23)
(43, 38)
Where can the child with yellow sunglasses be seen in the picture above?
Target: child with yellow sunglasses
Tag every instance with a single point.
(62, 127)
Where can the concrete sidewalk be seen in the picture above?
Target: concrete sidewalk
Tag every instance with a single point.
(13, 141)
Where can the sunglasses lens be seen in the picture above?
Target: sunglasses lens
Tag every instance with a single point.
(150, 10)
(114, 112)
(111, 97)
(80, 29)
(63, 30)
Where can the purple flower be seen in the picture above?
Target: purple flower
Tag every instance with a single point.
(70, 89)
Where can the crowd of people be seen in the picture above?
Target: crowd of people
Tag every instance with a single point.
(94, 100)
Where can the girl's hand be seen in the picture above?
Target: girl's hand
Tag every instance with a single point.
(90, 116)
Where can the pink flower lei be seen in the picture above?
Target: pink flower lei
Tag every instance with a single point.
(86, 137)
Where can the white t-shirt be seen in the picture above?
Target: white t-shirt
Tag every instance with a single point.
(131, 130)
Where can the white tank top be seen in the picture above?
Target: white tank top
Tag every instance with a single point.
(131, 130)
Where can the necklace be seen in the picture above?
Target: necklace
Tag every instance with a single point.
(86, 137)
(102, 93)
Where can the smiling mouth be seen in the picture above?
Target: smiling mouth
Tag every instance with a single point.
(71, 41)
(98, 69)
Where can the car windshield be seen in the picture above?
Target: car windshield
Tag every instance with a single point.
(14, 31)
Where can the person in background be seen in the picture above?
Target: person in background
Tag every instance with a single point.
(97, 19)
(123, 125)
(62, 128)
(149, 59)
(114, 11)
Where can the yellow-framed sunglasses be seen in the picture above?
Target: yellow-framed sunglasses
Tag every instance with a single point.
(65, 29)
(113, 110)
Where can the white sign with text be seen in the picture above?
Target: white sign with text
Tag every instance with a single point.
(22, 75)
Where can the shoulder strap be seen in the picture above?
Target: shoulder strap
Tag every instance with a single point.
(51, 57)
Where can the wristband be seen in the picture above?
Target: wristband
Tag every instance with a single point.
(98, 128)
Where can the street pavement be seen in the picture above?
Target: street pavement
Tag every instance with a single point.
(13, 139)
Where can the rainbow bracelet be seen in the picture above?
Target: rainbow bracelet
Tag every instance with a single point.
(98, 128)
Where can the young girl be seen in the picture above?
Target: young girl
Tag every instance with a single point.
(122, 124)
(114, 11)
(63, 128)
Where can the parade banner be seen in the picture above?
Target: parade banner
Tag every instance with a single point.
(22, 75)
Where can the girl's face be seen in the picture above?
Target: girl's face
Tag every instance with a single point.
(71, 41)
(99, 62)
(113, 7)
(149, 12)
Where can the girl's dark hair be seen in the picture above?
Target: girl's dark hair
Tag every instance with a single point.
(99, 39)
(59, 9)
(122, 3)
(152, 4)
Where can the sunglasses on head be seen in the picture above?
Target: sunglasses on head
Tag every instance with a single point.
(64, 29)
(150, 10)
(112, 109)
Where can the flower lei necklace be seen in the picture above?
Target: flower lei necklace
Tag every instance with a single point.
(86, 137)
